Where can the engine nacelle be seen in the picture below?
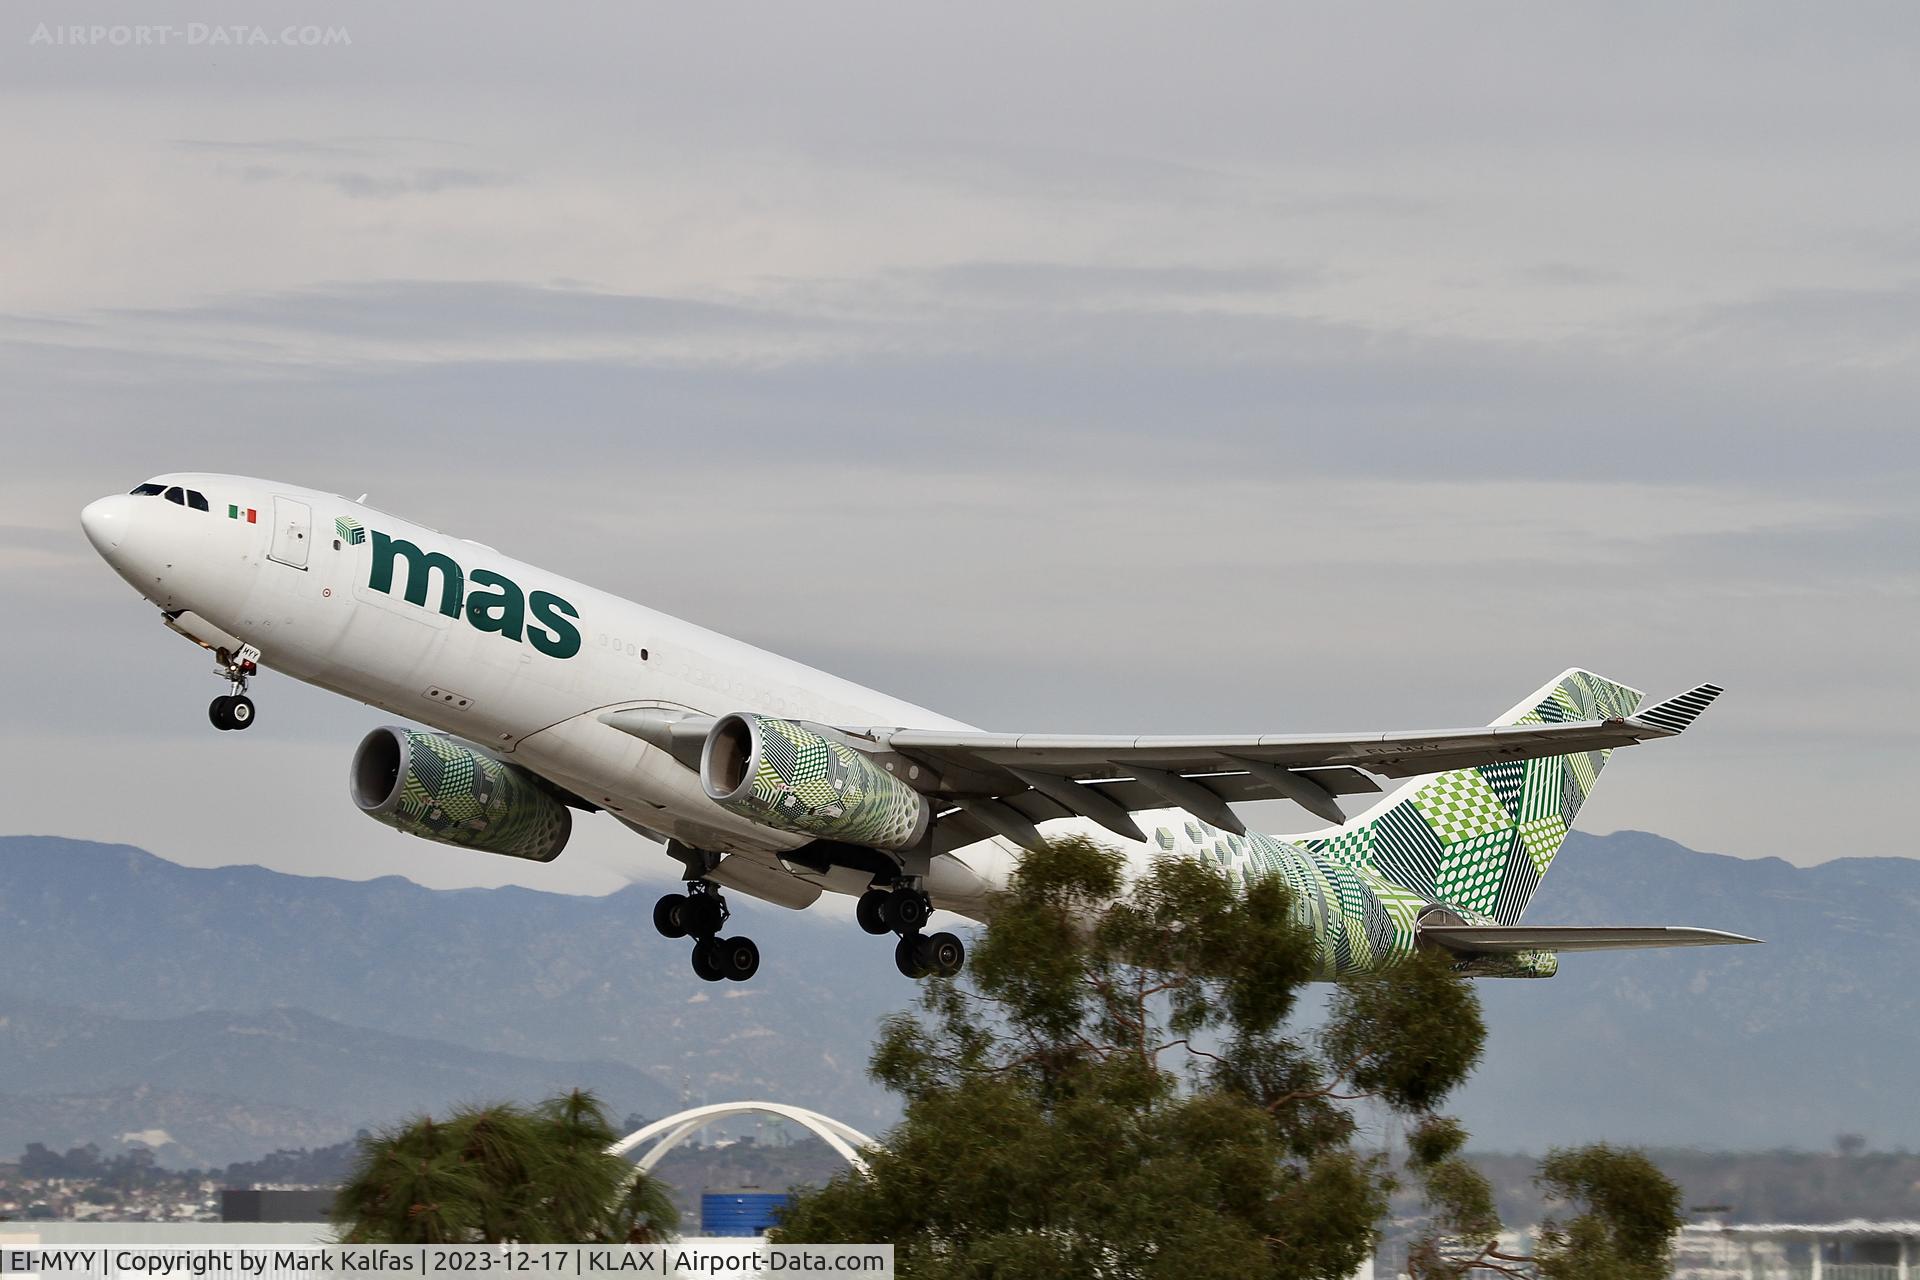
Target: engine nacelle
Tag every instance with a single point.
(437, 788)
(788, 775)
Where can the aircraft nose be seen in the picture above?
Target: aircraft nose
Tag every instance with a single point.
(105, 522)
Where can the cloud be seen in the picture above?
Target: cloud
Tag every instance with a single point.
(426, 181)
(1858, 329)
(278, 147)
(367, 185)
(1570, 275)
(911, 368)
(438, 310)
(1258, 369)
(1070, 284)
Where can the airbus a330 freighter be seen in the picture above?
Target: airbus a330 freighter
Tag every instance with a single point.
(770, 779)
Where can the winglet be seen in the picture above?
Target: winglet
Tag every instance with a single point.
(1675, 714)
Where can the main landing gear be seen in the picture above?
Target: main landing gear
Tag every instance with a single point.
(234, 709)
(904, 909)
(700, 913)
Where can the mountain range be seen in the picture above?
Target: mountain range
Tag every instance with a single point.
(1789, 1044)
(239, 1009)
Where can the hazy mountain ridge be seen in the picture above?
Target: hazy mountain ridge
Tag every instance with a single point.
(114, 930)
(205, 1128)
(1781, 1045)
(222, 1083)
(1815, 1033)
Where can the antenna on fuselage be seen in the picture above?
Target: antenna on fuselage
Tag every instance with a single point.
(361, 498)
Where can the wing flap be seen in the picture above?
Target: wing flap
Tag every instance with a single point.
(1494, 939)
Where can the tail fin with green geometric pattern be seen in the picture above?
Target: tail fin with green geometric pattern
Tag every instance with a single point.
(1480, 839)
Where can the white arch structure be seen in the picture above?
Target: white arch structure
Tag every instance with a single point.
(844, 1139)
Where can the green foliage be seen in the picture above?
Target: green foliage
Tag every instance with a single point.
(1434, 1139)
(1461, 1202)
(1409, 1036)
(1630, 1214)
(1463, 1222)
(1114, 1094)
(501, 1173)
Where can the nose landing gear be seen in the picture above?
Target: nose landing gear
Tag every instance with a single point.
(234, 709)
(700, 913)
(231, 711)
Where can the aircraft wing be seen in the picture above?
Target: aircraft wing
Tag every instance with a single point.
(1494, 939)
(1006, 782)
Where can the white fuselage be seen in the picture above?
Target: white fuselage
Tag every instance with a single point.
(294, 582)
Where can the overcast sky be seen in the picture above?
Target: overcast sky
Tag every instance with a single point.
(1095, 368)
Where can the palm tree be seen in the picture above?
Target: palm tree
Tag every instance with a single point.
(411, 1186)
(645, 1214)
(502, 1173)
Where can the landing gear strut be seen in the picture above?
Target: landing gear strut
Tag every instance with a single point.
(700, 913)
(234, 709)
(904, 909)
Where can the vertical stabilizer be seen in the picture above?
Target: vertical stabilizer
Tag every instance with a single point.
(1480, 839)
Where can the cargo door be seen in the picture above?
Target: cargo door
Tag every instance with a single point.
(292, 530)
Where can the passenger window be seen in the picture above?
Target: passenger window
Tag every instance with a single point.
(196, 500)
(176, 495)
(147, 491)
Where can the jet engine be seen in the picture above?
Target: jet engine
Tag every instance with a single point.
(439, 788)
(793, 777)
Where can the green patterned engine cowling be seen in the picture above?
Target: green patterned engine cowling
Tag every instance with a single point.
(1523, 964)
(441, 789)
(788, 775)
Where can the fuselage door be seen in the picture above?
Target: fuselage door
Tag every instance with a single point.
(292, 530)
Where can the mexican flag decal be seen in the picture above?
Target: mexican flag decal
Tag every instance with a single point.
(243, 513)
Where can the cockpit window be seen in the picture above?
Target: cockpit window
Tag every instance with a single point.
(176, 495)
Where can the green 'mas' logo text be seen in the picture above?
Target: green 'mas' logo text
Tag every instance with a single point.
(495, 603)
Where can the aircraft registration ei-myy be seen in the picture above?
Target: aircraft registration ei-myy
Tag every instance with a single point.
(776, 781)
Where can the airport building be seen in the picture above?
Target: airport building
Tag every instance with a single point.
(1852, 1250)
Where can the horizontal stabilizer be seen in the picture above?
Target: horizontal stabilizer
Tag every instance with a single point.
(1501, 939)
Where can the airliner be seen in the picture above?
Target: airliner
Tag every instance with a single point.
(529, 697)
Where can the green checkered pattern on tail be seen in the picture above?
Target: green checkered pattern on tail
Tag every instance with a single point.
(1361, 923)
(1479, 839)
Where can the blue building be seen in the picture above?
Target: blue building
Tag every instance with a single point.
(747, 1212)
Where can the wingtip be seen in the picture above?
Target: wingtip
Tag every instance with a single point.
(1720, 937)
(1677, 713)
